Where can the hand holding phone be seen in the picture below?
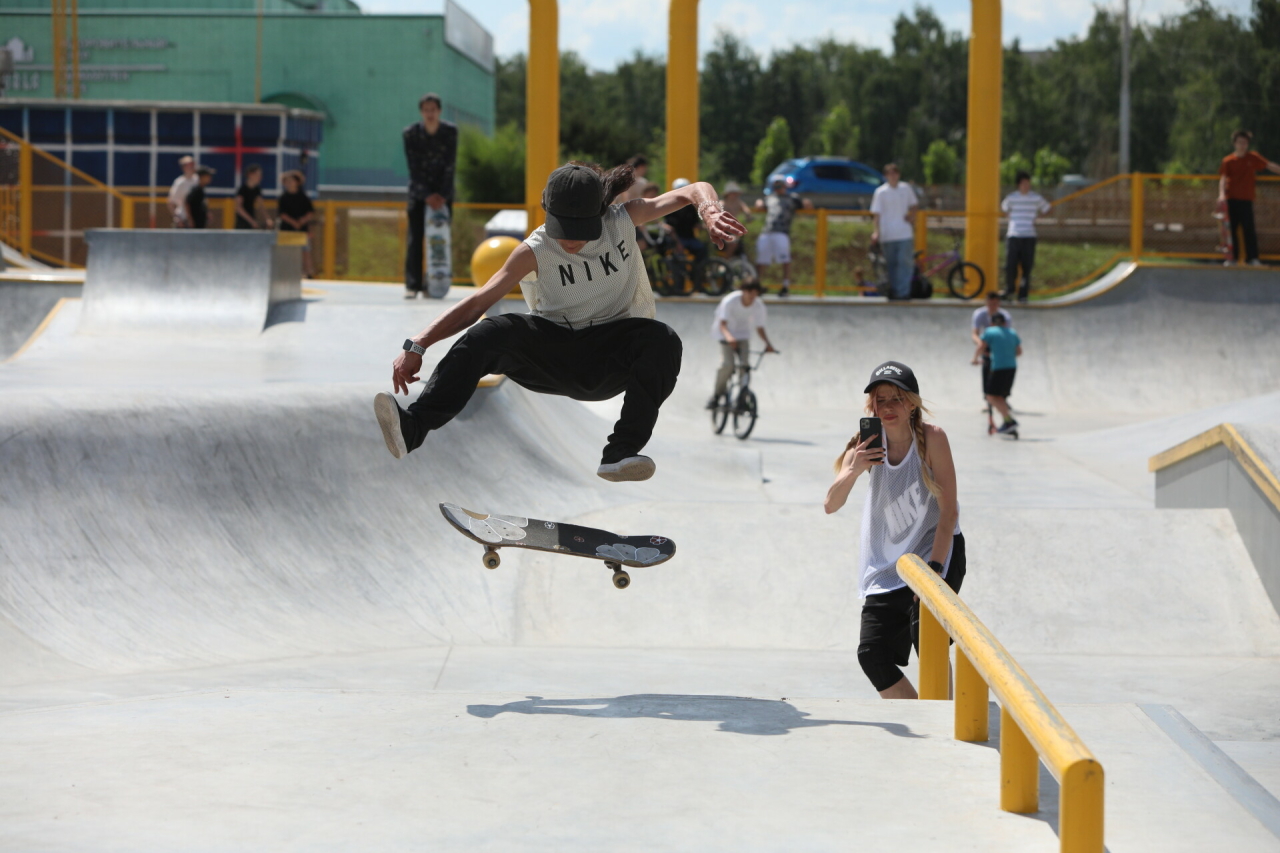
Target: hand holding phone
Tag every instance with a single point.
(869, 450)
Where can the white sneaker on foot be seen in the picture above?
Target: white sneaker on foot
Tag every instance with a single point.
(1255, 263)
(387, 411)
(629, 469)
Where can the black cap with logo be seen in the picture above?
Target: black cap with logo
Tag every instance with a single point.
(574, 201)
(895, 373)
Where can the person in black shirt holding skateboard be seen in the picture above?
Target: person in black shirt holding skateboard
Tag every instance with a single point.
(431, 152)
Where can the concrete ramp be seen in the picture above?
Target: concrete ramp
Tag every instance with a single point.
(184, 282)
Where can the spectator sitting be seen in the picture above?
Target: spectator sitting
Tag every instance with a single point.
(197, 207)
(249, 200)
(684, 222)
(774, 243)
(296, 212)
(1237, 187)
(178, 192)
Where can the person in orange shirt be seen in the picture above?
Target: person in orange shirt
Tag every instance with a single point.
(1236, 187)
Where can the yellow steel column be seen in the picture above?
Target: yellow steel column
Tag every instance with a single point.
(1080, 808)
(820, 256)
(972, 723)
(330, 239)
(127, 212)
(58, 20)
(542, 105)
(682, 90)
(1019, 768)
(1137, 214)
(25, 206)
(935, 658)
(982, 157)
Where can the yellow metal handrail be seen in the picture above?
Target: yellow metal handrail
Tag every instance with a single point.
(1031, 728)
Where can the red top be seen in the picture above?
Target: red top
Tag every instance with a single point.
(1241, 174)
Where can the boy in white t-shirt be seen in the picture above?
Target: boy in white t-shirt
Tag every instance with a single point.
(736, 315)
(894, 206)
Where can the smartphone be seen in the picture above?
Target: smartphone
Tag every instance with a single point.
(868, 427)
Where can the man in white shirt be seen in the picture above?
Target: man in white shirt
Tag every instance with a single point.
(178, 192)
(1022, 208)
(736, 315)
(894, 207)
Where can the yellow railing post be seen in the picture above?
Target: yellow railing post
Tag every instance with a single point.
(1019, 768)
(228, 213)
(1080, 808)
(922, 231)
(330, 263)
(1137, 215)
(126, 213)
(25, 206)
(934, 657)
(820, 256)
(972, 694)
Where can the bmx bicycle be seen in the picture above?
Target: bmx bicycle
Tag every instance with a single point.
(965, 280)
(674, 271)
(739, 401)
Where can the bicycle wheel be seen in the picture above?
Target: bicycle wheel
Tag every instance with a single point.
(661, 274)
(744, 414)
(717, 278)
(966, 280)
(720, 414)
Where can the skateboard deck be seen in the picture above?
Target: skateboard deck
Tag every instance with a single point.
(1226, 241)
(510, 531)
(439, 253)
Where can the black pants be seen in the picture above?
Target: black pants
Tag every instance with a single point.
(637, 356)
(1240, 215)
(413, 252)
(891, 625)
(1019, 253)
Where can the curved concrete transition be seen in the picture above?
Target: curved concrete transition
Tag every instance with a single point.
(230, 620)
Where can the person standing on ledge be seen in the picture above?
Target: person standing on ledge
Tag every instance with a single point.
(1022, 207)
(590, 332)
(893, 206)
(431, 152)
(1238, 187)
(182, 185)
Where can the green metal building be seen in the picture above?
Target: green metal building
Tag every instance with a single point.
(365, 73)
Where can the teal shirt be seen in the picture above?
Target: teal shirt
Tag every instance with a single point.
(1003, 343)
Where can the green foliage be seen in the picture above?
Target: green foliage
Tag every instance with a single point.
(838, 135)
(1011, 166)
(491, 168)
(1048, 167)
(941, 163)
(772, 150)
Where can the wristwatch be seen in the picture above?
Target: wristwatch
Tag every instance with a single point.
(410, 346)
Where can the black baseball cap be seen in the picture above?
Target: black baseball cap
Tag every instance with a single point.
(574, 201)
(895, 373)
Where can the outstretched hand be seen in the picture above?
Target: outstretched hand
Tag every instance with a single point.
(404, 371)
(723, 228)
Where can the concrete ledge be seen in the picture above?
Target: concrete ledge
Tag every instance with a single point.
(1221, 468)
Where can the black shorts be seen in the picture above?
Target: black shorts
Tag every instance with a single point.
(891, 625)
(999, 383)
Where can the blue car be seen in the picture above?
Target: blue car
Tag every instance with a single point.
(834, 182)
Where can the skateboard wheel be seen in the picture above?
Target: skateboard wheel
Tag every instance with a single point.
(621, 579)
(492, 560)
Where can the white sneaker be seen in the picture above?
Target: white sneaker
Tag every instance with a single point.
(1228, 263)
(410, 294)
(387, 411)
(629, 469)
(1255, 263)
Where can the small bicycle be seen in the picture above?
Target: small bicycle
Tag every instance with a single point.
(965, 280)
(738, 401)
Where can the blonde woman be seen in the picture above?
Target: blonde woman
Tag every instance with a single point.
(911, 508)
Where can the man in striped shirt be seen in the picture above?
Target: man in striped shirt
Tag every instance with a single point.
(1022, 208)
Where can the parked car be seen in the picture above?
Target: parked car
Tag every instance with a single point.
(835, 182)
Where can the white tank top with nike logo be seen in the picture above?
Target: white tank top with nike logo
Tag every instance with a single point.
(899, 517)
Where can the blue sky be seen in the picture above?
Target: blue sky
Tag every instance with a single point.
(606, 31)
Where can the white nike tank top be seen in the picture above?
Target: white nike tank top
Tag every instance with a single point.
(899, 517)
(606, 281)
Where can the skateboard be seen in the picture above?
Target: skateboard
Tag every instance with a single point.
(509, 531)
(439, 253)
(1226, 242)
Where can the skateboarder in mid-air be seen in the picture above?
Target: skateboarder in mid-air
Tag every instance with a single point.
(590, 333)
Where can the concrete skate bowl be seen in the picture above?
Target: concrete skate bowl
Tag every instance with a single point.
(24, 305)
(1164, 340)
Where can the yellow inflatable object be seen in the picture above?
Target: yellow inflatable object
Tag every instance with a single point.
(489, 257)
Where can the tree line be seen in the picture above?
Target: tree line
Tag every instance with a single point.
(1195, 77)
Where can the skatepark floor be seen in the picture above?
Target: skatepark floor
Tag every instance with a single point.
(231, 621)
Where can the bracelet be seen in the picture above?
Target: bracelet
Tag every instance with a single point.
(717, 205)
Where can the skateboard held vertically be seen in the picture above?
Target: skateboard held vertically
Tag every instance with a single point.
(509, 531)
(439, 252)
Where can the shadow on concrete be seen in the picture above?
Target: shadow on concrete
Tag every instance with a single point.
(293, 311)
(738, 715)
